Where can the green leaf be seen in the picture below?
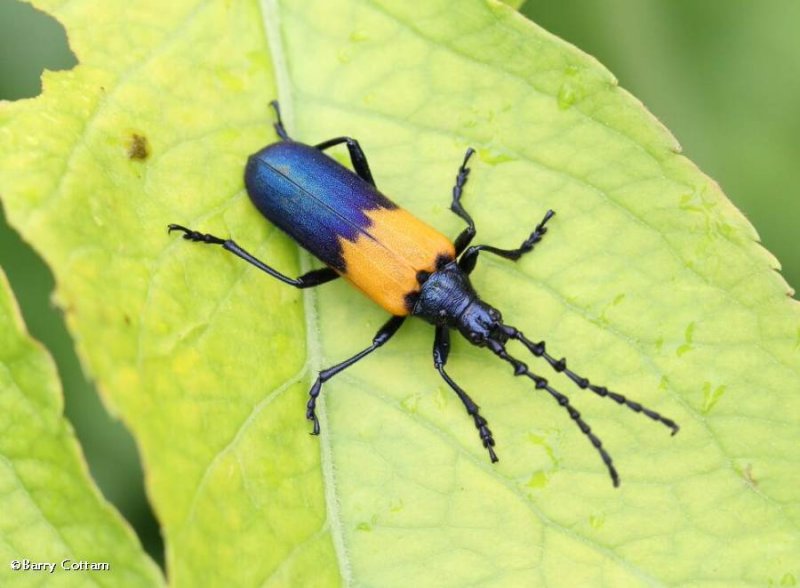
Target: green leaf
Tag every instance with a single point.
(52, 512)
(516, 4)
(649, 280)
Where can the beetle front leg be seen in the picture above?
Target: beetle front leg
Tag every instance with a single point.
(441, 349)
(466, 236)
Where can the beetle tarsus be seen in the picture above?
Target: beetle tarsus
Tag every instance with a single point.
(469, 232)
(311, 407)
(196, 236)
(313, 417)
(486, 435)
(278, 124)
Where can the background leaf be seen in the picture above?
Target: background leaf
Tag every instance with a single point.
(648, 280)
(708, 71)
(52, 511)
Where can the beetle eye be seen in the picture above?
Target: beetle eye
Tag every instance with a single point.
(475, 337)
(494, 314)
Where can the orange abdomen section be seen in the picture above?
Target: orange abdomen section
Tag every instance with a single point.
(384, 259)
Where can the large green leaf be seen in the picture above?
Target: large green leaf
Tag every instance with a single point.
(649, 280)
(52, 512)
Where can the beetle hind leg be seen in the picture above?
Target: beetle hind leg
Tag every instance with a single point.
(278, 124)
(307, 280)
(357, 156)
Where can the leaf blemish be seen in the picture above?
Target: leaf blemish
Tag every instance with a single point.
(541, 441)
(344, 55)
(747, 474)
(570, 91)
(711, 397)
(494, 155)
(687, 346)
(359, 36)
(603, 319)
(567, 95)
(537, 480)
(138, 147)
(411, 403)
(597, 521)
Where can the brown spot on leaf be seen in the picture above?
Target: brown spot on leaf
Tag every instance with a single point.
(138, 147)
(747, 473)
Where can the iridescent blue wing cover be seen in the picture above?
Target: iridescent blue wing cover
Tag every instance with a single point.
(312, 197)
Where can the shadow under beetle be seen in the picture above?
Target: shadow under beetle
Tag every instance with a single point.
(401, 263)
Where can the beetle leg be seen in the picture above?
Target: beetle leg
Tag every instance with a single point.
(357, 156)
(470, 257)
(467, 234)
(278, 124)
(382, 336)
(308, 280)
(441, 349)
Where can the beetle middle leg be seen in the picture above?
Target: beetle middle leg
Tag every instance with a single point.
(307, 280)
(357, 156)
(382, 336)
(470, 257)
(441, 349)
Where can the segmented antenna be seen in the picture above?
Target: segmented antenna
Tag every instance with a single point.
(521, 369)
(560, 365)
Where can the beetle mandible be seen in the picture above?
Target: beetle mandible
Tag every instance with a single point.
(401, 263)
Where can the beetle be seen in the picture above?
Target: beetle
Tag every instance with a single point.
(400, 262)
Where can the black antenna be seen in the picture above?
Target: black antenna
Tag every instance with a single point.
(521, 369)
(560, 365)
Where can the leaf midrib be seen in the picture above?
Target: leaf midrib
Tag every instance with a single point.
(272, 31)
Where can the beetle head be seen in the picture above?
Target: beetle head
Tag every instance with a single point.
(480, 322)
